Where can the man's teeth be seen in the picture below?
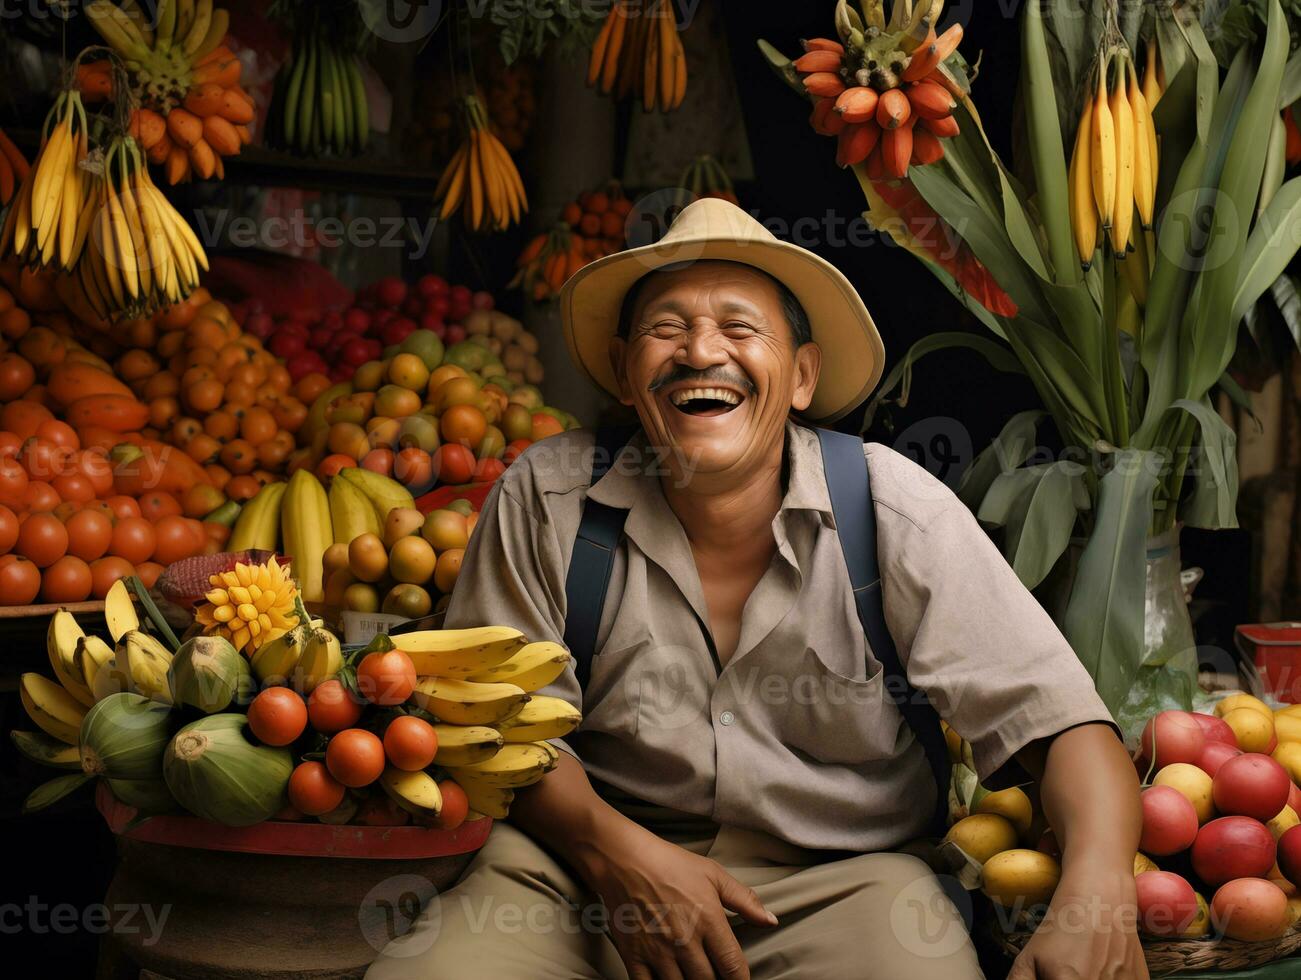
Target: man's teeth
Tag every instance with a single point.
(715, 394)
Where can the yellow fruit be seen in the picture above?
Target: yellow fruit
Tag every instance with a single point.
(1235, 701)
(1193, 783)
(1284, 821)
(1201, 925)
(1252, 728)
(1012, 804)
(1288, 755)
(1021, 878)
(954, 741)
(411, 559)
(982, 835)
(1287, 726)
(1294, 910)
(1143, 863)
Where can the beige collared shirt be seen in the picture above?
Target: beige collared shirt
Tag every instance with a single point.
(795, 736)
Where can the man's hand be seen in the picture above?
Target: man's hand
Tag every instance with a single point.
(1090, 932)
(667, 907)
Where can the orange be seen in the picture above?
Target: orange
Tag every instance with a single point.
(347, 438)
(414, 468)
(9, 444)
(278, 378)
(157, 504)
(74, 488)
(8, 530)
(161, 385)
(90, 532)
(257, 426)
(408, 371)
(174, 539)
(271, 454)
(238, 393)
(185, 429)
(330, 466)
(67, 580)
(379, 460)
(105, 571)
(16, 376)
(13, 482)
(20, 581)
(204, 395)
(355, 757)
(445, 530)
(14, 323)
(40, 496)
(42, 459)
(441, 374)
(464, 425)
(203, 448)
(42, 539)
(453, 464)
(242, 488)
(123, 506)
(448, 569)
(136, 365)
(457, 391)
(149, 572)
(239, 456)
(221, 424)
(134, 539)
(409, 742)
(309, 386)
(162, 410)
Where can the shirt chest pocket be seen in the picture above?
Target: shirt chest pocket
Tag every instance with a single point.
(836, 719)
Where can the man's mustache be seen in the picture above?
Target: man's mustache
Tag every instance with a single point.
(706, 378)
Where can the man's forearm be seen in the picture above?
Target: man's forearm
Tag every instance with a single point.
(1089, 792)
(565, 814)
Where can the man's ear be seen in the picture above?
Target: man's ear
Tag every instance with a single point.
(618, 359)
(808, 365)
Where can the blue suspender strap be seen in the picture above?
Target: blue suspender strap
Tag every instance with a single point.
(851, 502)
(593, 559)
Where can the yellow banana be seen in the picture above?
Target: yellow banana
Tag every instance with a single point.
(1145, 159)
(276, 660)
(54, 710)
(351, 512)
(61, 646)
(530, 668)
(467, 703)
(514, 766)
(258, 524)
(491, 801)
(321, 659)
(384, 493)
(464, 745)
(1151, 77)
(542, 718)
(1103, 154)
(145, 662)
(46, 750)
(92, 654)
(1123, 122)
(1084, 213)
(459, 653)
(415, 792)
(120, 611)
(305, 527)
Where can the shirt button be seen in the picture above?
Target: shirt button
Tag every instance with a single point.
(727, 718)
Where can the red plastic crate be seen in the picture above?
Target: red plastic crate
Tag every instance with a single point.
(1275, 648)
(475, 493)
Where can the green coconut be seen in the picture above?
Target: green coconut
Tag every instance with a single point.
(206, 673)
(146, 795)
(216, 772)
(124, 736)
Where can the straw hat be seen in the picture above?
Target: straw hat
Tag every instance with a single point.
(853, 355)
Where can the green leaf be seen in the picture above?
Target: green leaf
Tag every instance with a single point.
(1284, 291)
(1043, 532)
(1104, 616)
(1215, 476)
(900, 375)
(49, 793)
(1010, 448)
(1272, 245)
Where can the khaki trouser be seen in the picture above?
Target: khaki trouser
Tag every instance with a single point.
(518, 913)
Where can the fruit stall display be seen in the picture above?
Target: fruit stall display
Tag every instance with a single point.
(591, 226)
(258, 714)
(1220, 852)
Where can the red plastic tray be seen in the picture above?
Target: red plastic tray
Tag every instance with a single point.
(475, 493)
(1275, 648)
(291, 838)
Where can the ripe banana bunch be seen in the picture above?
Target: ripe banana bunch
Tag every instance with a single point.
(13, 169)
(258, 524)
(138, 665)
(55, 711)
(883, 90)
(351, 512)
(465, 745)
(120, 611)
(462, 702)
(638, 52)
(481, 178)
(61, 643)
(46, 750)
(140, 254)
(48, 222)
(530, 668)
(540, 719)
(383, 492)
(1115, 164)
(515, 766)
(322, 658)
(251, 605)
(491, 801)
(319, 102)
(460, 653)
(276, 661)
(189, 109)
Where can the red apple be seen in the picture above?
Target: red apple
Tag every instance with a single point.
(1214, 755)
(1294, 799)
(285, 344)
(438, 306)
(332, 319)
(1169, 821)
(391, 291)
(1177, 737)
(1251, 785)
(455, 334)
(1167, 904)
(1215, 729)
(357, 319)
(482, 300)
(355, 352)
(1233, 847)
(1250, 909)
(431, 285)
(1289, 854)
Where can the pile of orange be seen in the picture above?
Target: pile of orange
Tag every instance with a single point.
(88, 495)
(214, 392)
(590, 227)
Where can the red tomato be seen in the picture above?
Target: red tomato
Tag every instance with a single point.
(355, 757)
(67, 580)
(8, 530)
(331, 708)
(134, 539)
(277, 716)
(20, 581)
(453, 464)
(410, 743)
(42, 539)
(456, 806)
(90, 532)
(386, 678)
(312, 790)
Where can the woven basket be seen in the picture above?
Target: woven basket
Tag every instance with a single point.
(1184, 955)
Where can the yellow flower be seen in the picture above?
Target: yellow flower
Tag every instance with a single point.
(250, 605)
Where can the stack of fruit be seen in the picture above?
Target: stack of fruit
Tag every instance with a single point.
(590, 227)
(439, 732)
(319, 104)
(406, 566)
(884, 92)
(88, 493)
(1220, 813)
(189, 109)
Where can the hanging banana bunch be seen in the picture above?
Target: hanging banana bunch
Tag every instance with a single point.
(638, 53)
(1115, 164)
(705, 177)
(883, 89)
(481, 179)
(140, 254)
(44, 227)
(319, 103)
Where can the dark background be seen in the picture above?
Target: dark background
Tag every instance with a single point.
(958, 405)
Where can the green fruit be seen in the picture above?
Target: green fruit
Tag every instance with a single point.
(425, 345)
(461, 506)
(516, 422)
(467, 355)
(528, 396)
(149, 796)
(124, 736)
(215, 771)
(206, 673)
